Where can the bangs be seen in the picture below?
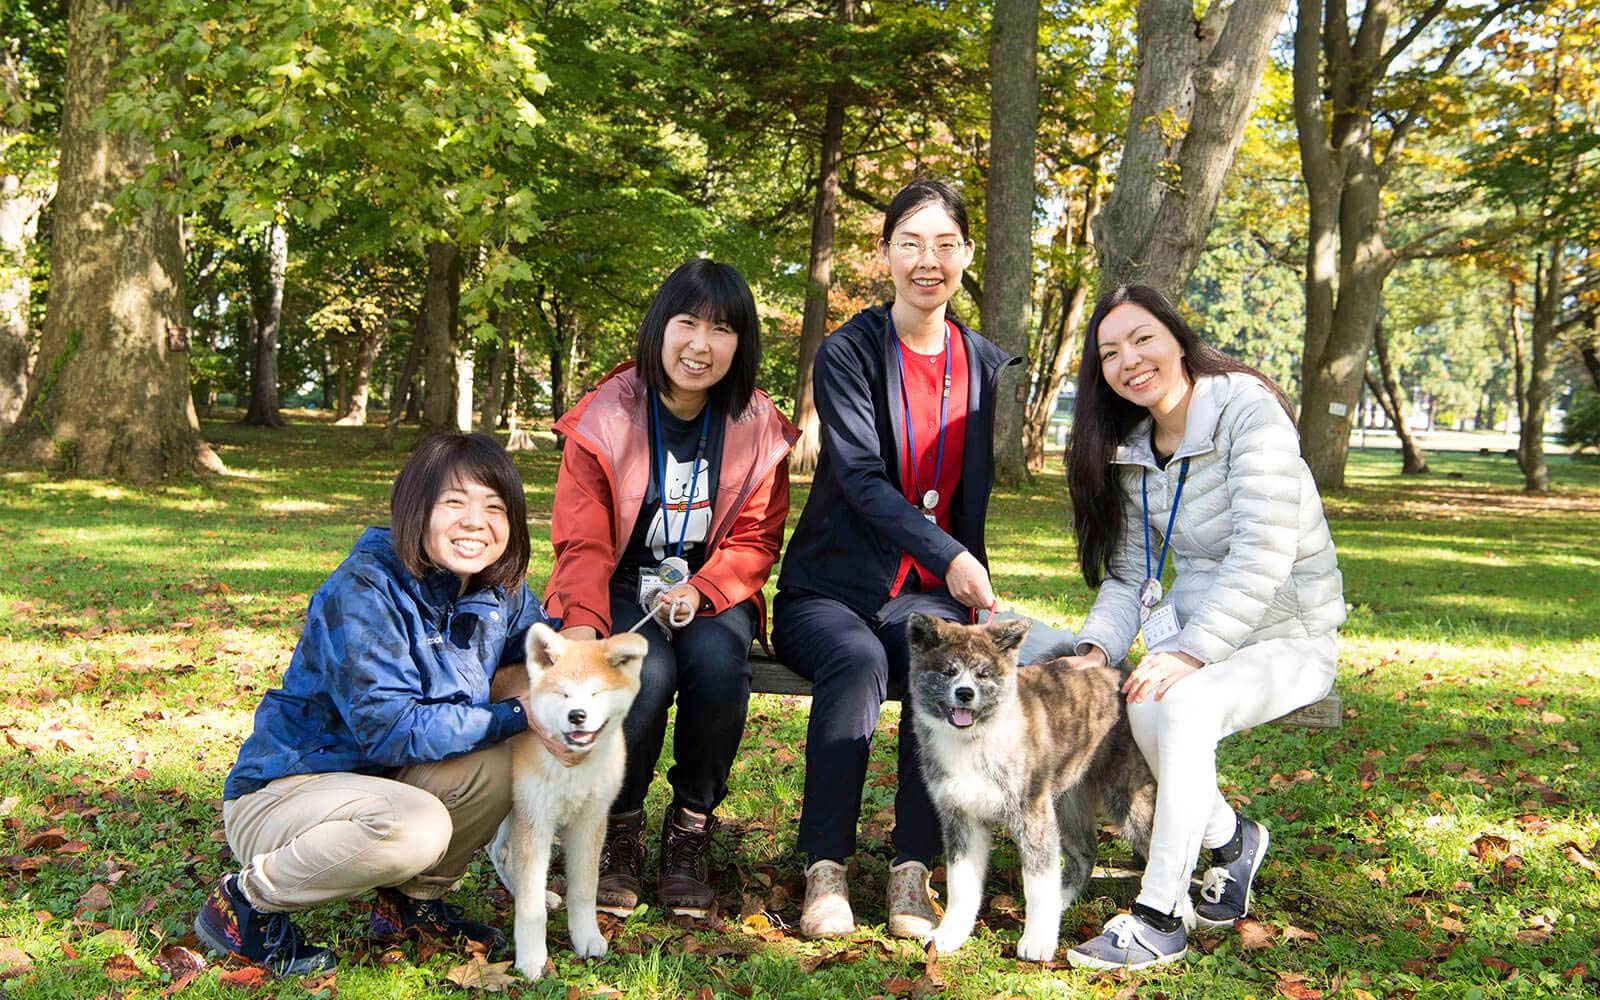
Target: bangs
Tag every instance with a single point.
(717, 296)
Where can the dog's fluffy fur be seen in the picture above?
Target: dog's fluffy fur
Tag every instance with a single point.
(580, 691)
(1037, 747)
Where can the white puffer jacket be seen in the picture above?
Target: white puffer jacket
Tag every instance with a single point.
(1250, 545)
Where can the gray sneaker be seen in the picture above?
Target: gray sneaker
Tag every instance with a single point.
(1129, 943)
(1225, 889)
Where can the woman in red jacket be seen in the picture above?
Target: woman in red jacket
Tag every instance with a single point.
(672, 496)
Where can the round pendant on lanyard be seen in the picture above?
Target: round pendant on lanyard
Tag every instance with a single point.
(930, 497)
(1150, 590)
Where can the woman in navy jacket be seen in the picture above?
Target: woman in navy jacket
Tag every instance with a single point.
(380, 762)
(893, 524)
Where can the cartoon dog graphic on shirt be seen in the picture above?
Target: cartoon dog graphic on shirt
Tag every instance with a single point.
(678, 477)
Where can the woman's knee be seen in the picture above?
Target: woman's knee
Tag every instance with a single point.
(411, 834)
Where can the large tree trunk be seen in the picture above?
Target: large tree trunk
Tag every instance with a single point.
(266, 298)
(19, 223)
(438, 351)
(1393, 400)
(1548, 291)
(109, 394)
(1008, 210)
(369, 340)
(819, 276)
(1191, 102)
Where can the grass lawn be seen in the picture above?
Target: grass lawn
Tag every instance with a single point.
(1442, 844)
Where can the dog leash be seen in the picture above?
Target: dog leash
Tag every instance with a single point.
(972, 613)
(672, 613)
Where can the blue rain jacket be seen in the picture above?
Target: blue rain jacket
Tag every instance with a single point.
(390, 670)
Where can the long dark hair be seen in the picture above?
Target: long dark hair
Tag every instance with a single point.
(1102, 421)
(712, 291)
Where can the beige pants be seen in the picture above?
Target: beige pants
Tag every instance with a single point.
(317, 838)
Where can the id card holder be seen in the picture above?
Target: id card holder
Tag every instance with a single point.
(931, 517)
(1160, 626)
(650, 585)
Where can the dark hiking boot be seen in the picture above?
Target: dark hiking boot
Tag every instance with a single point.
(228, 924)
(621, 864)
(394, 914)
(684, 884)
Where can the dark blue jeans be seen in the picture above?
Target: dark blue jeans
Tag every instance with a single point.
(849, 661)
(706, 664)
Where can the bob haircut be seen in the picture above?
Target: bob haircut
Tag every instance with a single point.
(717, 293)
(1102, 421)
(444, 461)
(920, 192)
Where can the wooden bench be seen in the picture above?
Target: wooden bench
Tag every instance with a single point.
(768, 676)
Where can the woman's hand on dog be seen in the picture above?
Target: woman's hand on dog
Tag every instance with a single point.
(968, 582)
(1095, 657)
(1156, 673)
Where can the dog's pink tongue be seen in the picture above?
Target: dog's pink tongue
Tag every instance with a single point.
(961, 717)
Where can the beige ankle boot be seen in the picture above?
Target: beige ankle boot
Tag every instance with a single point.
(826, 912)
(912, 911)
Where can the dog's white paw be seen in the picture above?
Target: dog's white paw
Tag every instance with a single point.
(1037, 946)
(947, 938)
(552, 900)
(534, 963)
(588, 942)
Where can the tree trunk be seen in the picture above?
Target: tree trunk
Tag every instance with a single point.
(1008, 209)
(266, 298)
(109, 394)
(1390, 396)
(1191, 102)
(819, 275)
(1519, 356)
(489, 419)
(19, 224)
(438, 350)
(1589, 350)
(464, 370)
(1057, 352)
(403, 400)
(1548, 292)
(370, 340)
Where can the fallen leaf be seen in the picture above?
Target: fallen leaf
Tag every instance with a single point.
(1576, 856)
(250, 978)
(1295, 987)
(324, 984)
(1253, 934)
(1497, 964)
(1552, 718)
(177, 961)
(1489, 848)
(13, 960)
(1534, 937)
(1293, 933)
(97, 898)
(592, 993)
(120, 968)
(488, 976)
(898, 986)
(45, 840)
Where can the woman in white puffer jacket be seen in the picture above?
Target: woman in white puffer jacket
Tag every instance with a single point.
(1176, 447)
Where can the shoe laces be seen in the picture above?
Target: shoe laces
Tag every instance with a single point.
(282, 940)
(621, 849)
(686, 851)
(1121, 928)
(1215, 884)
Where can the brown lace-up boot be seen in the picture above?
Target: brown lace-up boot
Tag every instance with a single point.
(621, 864)
(684, 885)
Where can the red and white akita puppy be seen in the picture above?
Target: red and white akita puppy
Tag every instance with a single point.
(579, 691)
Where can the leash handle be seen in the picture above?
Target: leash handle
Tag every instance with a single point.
(673, 619)
(972, 613)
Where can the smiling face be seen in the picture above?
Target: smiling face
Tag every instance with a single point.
(1141, 360)
(695, 353)
(924, 280)
(467, 530)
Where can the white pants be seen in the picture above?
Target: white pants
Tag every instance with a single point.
(1178, 736)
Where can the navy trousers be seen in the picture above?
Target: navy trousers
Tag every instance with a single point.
(706, 665)
(849, 661)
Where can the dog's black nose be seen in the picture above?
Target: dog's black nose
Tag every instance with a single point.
(965, 695)
(576, 716)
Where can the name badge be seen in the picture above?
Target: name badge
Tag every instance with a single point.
(650, 585)
(1160, 626)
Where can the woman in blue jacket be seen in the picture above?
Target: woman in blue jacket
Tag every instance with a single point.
(894, 524)
(381, 763)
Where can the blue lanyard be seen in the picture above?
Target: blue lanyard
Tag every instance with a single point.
(1166, 540)
(661, 473)
(905, 403)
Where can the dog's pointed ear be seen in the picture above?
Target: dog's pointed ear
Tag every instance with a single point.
(625, 652)
(545, 647)
(1007, 633)
(922, 632)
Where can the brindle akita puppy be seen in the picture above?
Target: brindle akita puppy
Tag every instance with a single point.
(1037, 747)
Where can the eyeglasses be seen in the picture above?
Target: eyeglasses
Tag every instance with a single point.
(914, 249)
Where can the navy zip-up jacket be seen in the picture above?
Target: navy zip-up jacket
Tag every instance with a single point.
(857, 520)
(390, 670)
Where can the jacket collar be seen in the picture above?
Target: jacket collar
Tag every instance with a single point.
(1211, 393)
(437, 589)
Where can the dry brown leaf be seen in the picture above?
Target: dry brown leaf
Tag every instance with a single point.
(97, 898)
(1489, 848)
(250, 978)
(592, 993)
(45, 840)
(1575, 855)
(1295, 987)
(1253, 934)
(481, 974)
(1293, 933)
(13, 960)
(1552, 718)
(178, 961)
(1497, 964)
(1534, 936)
(898, 986)
(120, 968)
(325, 984)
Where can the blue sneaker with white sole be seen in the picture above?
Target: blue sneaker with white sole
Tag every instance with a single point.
(1129, 943)
(1225, 888)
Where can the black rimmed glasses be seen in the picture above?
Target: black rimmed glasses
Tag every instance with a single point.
(909, 249)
